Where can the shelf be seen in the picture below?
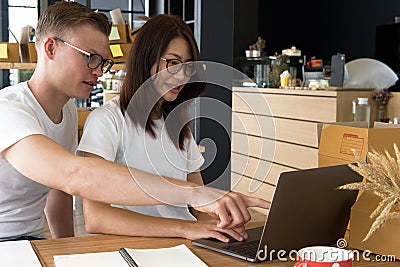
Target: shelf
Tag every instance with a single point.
(118, 66)
(31, 66)
(14, 65)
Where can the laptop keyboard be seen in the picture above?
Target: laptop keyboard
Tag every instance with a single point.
(248, 248)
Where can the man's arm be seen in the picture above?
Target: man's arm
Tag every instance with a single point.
(59, 214)
(41, 159)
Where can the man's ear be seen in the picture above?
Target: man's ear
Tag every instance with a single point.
(49, 47)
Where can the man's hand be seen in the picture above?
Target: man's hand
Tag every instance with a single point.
(230, 207)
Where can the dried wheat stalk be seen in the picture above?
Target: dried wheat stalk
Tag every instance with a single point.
(382, 177)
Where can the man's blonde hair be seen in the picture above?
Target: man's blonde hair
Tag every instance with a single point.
(62, 17)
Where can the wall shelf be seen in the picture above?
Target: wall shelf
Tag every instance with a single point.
(31, 66)
(14, 65)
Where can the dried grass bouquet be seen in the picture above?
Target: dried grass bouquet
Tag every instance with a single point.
(382, 177)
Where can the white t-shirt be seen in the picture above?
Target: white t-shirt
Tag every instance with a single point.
(109, 135)
(22, 200)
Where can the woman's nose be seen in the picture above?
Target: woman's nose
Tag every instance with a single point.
(180, 75)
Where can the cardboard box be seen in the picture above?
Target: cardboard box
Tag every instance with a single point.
(124, 49)
(385, 240)
(120, 33)
(108, 95)
(83, 113)
(337, 142)
(9, 52)
(133, 33)
(28, 53)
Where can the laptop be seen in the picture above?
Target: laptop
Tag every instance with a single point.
(306, 210)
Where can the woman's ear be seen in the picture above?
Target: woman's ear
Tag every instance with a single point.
(49, 47)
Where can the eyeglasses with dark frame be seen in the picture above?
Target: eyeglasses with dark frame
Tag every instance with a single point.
(175, 65)
(93, 60)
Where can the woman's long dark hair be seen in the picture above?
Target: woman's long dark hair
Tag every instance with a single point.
(147, 49)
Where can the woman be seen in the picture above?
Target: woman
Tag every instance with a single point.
(130, 130)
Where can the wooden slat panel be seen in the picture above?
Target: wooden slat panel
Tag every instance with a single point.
(256, 168)
(295, 156)
(249, 103)
(253, 188)
(253, 146)
(294, 131)
(309, 108)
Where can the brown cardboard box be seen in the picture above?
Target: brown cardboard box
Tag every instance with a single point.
(83, 113)
(108, 95)
(12, 52)
(335, 147)
(337, 141)
(123, 32)
(385, 240)
(125, 48)
(28, 53)
(133, 33)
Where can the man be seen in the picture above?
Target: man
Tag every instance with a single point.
(39, 137)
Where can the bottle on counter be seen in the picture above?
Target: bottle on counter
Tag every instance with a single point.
(361, 110)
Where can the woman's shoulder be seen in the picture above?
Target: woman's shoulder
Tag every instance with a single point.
(111, 108)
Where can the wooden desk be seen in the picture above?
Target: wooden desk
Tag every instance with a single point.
(46, 249)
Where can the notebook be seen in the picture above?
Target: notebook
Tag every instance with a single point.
(178, 256)
(306, 210)
(18, 253)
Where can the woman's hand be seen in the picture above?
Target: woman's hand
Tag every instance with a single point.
(207, 228)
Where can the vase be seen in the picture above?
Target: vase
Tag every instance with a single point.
(382, 113)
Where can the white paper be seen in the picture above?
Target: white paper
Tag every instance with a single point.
(178, 256)
(101, 259)
(18, 254)
(116, 16)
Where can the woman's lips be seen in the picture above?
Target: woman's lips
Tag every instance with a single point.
(173, 88)
(174, 91)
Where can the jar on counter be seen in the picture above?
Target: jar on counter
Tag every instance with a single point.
(279, 64)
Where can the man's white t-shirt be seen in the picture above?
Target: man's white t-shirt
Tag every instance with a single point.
(22, 200)
(109, 135)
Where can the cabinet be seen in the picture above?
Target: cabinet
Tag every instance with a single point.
(276, 130)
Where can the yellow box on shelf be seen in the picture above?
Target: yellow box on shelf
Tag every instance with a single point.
(9, 52)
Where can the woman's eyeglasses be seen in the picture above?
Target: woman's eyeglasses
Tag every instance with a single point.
(93, 60)
(175, 65)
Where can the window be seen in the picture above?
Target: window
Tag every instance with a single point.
(132, 10)
(20, 14)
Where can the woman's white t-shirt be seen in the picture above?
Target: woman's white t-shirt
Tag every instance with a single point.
(108, 134)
